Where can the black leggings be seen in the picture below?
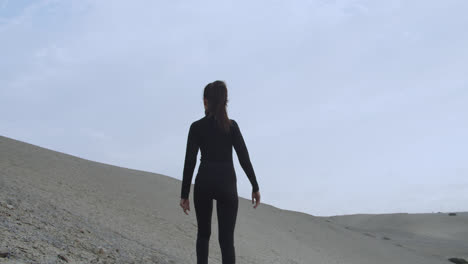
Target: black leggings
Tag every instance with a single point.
(216, 180)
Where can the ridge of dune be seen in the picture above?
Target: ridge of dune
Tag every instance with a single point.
(55, 206)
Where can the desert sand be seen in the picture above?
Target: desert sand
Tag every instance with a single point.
(58, 208)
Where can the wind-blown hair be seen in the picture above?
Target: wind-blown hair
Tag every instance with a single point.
(217, 96)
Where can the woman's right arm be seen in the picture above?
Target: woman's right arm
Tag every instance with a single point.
(243, 156)
(190, 162)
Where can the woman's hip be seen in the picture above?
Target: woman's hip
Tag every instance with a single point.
(216, 169)
(216, 175)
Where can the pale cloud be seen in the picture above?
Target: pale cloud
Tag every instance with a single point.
(95, 134)
(3, 4)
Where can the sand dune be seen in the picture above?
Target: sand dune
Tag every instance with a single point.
(56, 206)
(436, 234)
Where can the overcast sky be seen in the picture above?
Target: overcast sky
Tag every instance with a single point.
(346, 106)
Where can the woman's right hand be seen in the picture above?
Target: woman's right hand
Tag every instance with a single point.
(256, 197)
(185, 204)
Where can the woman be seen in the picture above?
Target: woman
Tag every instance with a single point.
(215, 134)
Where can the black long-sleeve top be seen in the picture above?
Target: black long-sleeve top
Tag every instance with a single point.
(215, 145)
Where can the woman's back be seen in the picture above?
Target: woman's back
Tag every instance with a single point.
(215, 146)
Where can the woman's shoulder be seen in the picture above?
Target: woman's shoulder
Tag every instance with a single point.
(198, 121)
(233, 122)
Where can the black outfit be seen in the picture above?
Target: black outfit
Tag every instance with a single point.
(216, 179)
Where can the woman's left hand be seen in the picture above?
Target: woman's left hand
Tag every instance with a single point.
(185, 204)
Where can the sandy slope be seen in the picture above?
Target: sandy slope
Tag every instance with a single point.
(73, 207)
(436, 234)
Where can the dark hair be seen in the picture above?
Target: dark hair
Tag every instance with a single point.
(216, 93)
